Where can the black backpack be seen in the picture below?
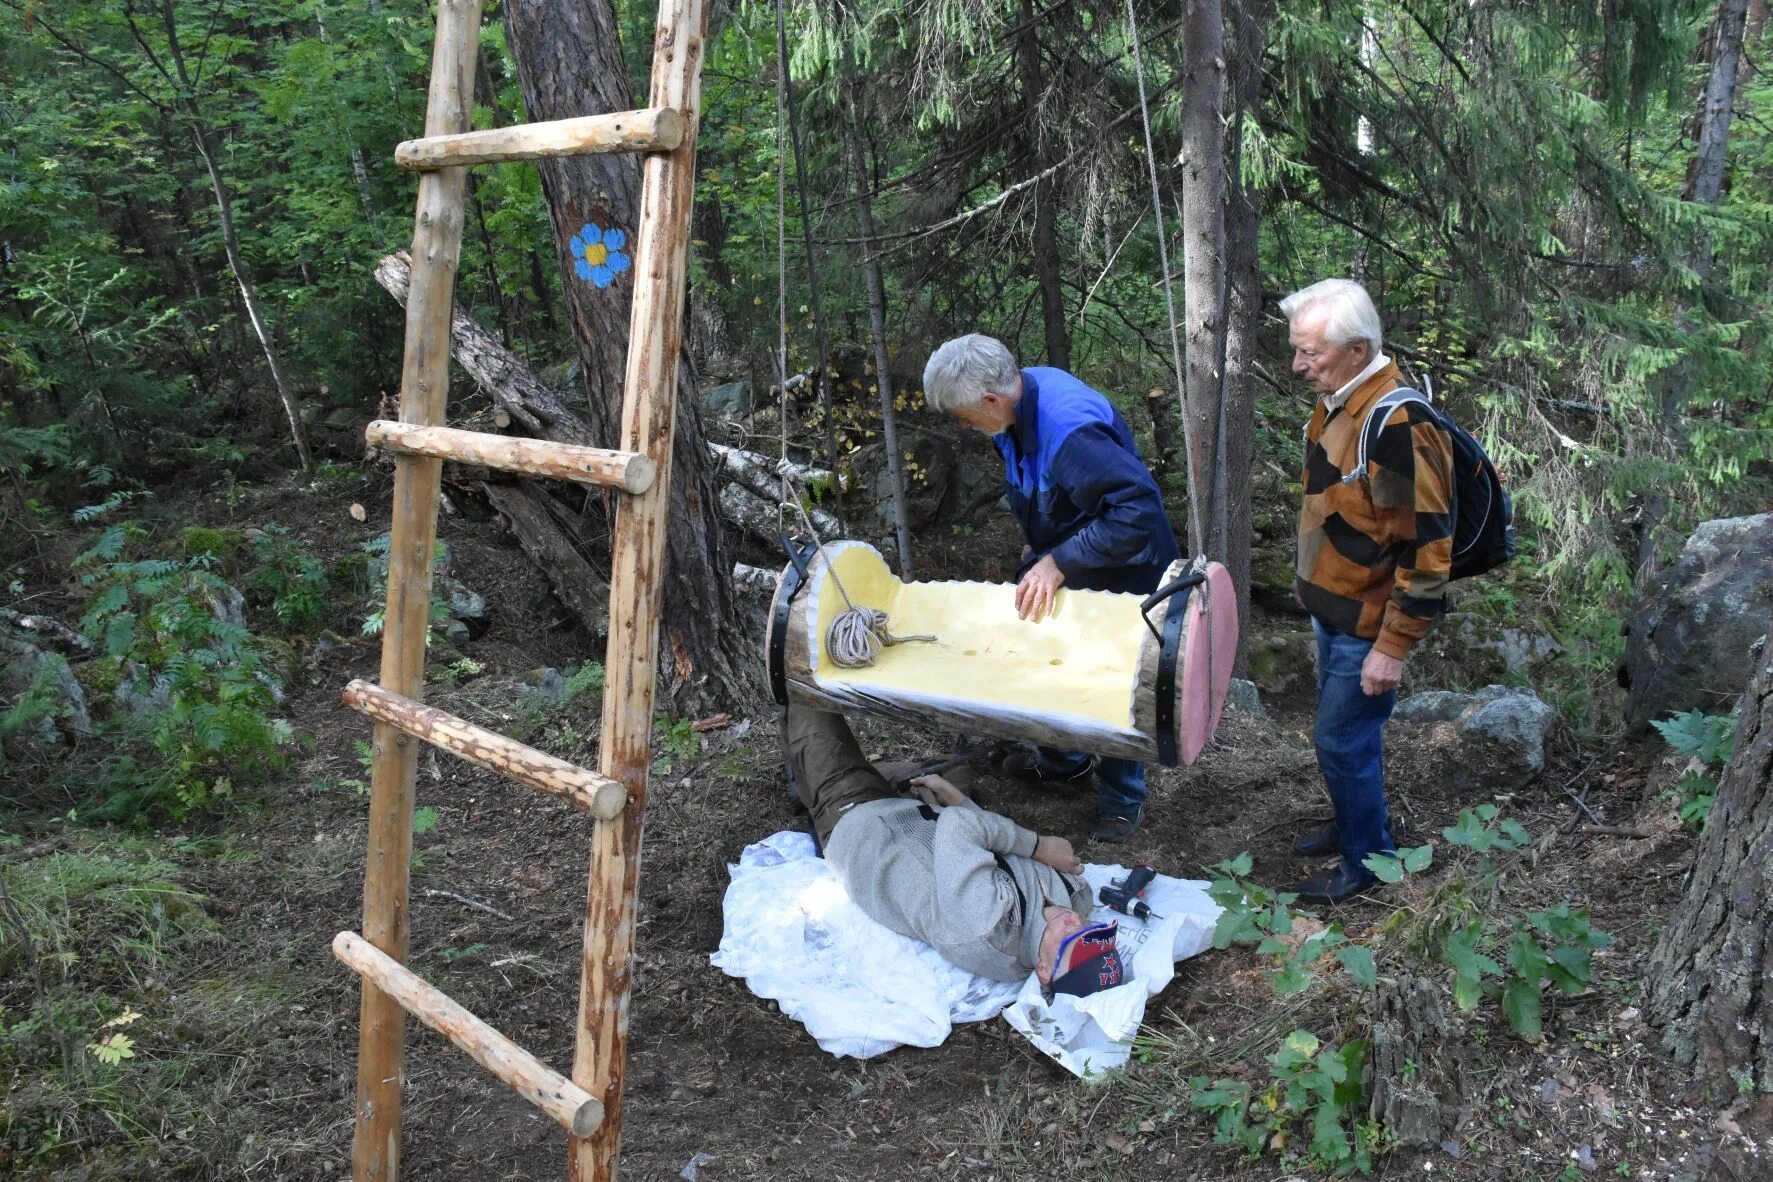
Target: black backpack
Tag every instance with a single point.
(1483, 512)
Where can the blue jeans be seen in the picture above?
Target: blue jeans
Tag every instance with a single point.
(1349, 748)
(1120, 783)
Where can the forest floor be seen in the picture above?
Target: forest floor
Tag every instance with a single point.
(261, 1020)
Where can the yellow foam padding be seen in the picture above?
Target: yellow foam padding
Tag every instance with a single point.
(1079, 661)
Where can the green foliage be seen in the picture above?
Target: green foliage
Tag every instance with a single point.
(1711, 740)
(1253, 914)
(1312, 1109)
(192, 682)
(85, 935)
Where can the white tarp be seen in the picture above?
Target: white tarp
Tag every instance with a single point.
(793, 934)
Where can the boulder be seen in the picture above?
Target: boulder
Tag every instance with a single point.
(1283, 662)
(729, 401)
(1497, 735)
(1243, 695)
(56, 703)
(1688, 639)
(930, 479)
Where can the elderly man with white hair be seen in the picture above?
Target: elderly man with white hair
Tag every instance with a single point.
(1375, 552)
(1091, 514)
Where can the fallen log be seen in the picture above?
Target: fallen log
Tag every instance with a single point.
(758, 517)
(529, 509)
(501, 374)
(759, 472)
(755, 578)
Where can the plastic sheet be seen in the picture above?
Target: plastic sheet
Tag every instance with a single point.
(795, 937)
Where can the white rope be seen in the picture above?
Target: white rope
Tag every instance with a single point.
(857, 634)
(1197, 526)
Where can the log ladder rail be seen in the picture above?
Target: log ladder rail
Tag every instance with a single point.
(588, 1104)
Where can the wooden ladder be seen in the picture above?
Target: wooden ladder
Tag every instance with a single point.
(588, 1104)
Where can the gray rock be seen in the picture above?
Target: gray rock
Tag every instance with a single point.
(1283, 661)
(730, 401)
(1689, 637)
(1499, 734)
(61, 702)
(1431, 706)
(1243, 695)
(931, 485)
(544, 685)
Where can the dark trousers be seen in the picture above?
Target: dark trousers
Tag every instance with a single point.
(829, 771)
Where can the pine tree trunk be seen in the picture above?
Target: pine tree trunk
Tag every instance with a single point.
(1711, 974)
(1046, 245)
(1203, 239)
(1706, 188)
(569, 63)
(1247, 19)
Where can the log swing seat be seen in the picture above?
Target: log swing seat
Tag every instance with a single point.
(1112, 674)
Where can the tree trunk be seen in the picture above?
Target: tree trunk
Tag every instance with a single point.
(889, 431)
(1707, 188)
(569, 63)
(1046, 246)
(1244, 313)
(1711, 974)
(206, 148)
(1203, 238)
(822, 378)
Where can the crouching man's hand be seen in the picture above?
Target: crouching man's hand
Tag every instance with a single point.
(934, 791)
(1057, 853)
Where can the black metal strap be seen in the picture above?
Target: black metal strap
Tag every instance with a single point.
(793, 581)
(1167, 656)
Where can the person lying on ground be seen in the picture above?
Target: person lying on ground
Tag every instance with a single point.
(991, 896)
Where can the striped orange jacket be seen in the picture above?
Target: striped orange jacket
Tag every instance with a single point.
(1374, 554)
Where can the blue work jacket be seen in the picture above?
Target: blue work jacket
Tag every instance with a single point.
(1080, 489)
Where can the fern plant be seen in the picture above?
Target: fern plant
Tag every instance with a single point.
(194, 683)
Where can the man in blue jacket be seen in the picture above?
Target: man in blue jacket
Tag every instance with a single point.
(1090, 511)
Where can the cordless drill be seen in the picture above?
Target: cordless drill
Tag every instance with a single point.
(1127, 895)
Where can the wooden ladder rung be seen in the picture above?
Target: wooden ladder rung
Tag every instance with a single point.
(654, 129)
(629, 471)
(603, 798)
(571, 1107)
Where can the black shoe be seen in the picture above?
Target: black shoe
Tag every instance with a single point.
(1319, 843)
(1115, 828)
(1025, 764)
(1333, 886)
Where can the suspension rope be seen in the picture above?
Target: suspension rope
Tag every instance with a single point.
(1195, 523)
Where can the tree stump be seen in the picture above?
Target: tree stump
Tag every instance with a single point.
(1417, 1090)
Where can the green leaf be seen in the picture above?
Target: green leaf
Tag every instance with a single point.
(1466, 831)
(1385, 867)
(1520, 1005)
(1527, 958)
(1358, 960)
(1416, 859)
(119, 635)
(424, 821)
(1301, 1042)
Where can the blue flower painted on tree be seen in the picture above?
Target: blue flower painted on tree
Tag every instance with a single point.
(597, 254)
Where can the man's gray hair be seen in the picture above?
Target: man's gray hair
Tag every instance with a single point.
(1350, 313)
(960, 373)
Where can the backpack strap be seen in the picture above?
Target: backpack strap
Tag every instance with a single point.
(1375, 422)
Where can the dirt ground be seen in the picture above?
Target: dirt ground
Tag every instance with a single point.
(498, 896)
